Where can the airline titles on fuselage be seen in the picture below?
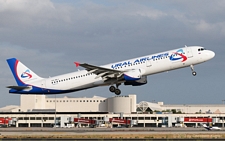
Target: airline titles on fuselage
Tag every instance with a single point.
(139, 60)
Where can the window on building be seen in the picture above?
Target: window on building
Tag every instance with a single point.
(32, 118)
(160, 118)
(38, 118)
(51, 118)
(26, 118)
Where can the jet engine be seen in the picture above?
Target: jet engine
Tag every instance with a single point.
(132, 75)
(139, 82)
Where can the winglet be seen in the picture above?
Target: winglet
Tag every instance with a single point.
(77, 64)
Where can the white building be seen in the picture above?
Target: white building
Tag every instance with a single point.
(39, 111)
(145, 106)
(117, 104)
(84, 104)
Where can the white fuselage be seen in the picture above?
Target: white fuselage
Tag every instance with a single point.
(157, 63)
(130, 72)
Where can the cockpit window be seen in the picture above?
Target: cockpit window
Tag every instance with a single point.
(201, 49)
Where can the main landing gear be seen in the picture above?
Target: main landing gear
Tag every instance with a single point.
(192, 69)
(114, 89)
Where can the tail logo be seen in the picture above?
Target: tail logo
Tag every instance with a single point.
(178, 55)
(26, 74)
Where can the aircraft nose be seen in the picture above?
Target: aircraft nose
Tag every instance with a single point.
(210, 54)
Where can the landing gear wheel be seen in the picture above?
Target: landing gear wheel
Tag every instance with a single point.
(117, 91)
(194, 73)
(112, 89)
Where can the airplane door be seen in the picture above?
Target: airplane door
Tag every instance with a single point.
(148, 63)
(189, 52)
(43, 85)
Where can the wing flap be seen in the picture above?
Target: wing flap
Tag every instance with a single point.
(101, 71)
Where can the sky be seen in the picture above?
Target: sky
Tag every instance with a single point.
(48, 36)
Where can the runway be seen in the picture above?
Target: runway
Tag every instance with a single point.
(104, 131)
(108, 130)
(109, 134)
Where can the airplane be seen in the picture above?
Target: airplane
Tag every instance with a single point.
(211, 127)
(129, 72)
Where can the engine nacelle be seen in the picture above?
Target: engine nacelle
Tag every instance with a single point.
(132, 75)
(139, 82)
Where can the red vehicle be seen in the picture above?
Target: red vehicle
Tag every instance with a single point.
(92, 122)
(192, 119)
(126, 122)
(5, 122)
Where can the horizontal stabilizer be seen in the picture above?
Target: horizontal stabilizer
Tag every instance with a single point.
(18, 87)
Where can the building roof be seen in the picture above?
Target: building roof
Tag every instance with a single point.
(194, 105)
(144, 105)
(8, 108)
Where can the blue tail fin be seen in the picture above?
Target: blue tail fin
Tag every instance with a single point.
(21, 73)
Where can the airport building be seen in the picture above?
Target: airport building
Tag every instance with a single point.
(41, 111)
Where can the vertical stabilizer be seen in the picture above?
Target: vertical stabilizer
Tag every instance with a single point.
(21, 73)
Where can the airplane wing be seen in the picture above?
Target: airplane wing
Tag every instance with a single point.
(105, 73)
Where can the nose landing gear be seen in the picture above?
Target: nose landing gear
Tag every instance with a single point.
(114, 89)
(192, 69)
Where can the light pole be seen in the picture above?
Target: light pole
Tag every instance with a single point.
(55, 110)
